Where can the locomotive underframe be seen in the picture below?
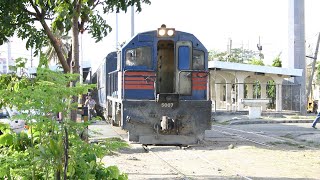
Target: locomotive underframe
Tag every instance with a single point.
(150, 122)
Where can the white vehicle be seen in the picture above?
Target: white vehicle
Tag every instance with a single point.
(6, 115)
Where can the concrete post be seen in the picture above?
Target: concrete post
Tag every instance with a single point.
(278, 82)
(228, 95)
(278, 97)
(296, 53)
(212, 88)
(263, 95)
(240, 82)
(218, 93)
(250, 91)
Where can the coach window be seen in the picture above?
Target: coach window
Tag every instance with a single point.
(198, 60)
(139, 57)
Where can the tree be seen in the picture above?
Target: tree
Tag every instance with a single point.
(29, 19)
(309, 87)
(237, 55)
(258, 62)
(271, 85)
(64, 43)
(51, 149)
(216, 55)
(271, 93)
(20, 17)
(277, 61)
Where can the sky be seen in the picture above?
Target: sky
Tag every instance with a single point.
(213, 22)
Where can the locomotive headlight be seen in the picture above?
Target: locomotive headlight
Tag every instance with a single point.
(161, 32)
(170, 32)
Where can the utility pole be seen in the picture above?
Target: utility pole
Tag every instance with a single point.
(229, 47)
(242, 53)
(296, 51)
(132, 21)
(259, 46)
(313, 66)
(9, 55)
(117, 31)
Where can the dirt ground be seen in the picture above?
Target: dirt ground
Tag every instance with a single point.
(218, 160)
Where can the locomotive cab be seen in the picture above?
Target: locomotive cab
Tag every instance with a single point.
(159, 90)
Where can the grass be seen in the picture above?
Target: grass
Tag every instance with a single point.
(114, 144)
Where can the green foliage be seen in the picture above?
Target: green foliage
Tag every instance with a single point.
(216, 55)
(271, 86)
(240, 55)
(43, 62)
(237, 55)
(64, 44)
(258, 62)
(114, 144)
(277, 62)
(271, 93)
(41, 152)
(20, 17)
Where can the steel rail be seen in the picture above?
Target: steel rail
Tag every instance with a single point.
(241, 137)
(268, 136)
(184, 176)
(215, 166)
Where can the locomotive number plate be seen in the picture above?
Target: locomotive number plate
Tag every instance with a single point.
(167, 105)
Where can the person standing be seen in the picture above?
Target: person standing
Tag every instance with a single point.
(316, 120)
(90, 103)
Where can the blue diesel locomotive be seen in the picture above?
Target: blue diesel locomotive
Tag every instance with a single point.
(157, 88)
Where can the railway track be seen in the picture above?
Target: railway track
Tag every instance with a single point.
(213, 169)
(181, 174)
(263, 139)
(197, 162)
(228, 171)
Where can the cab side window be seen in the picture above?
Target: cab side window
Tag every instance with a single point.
(139, 57)
(198, 60)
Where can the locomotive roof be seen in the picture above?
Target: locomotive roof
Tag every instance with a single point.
(154, 32)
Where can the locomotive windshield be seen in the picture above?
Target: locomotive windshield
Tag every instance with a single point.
(198, 60)
(139, 57)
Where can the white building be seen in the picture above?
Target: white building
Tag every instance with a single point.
(232, 82)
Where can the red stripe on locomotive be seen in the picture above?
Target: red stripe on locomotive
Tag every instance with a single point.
(129, 86)
(199, 87)
(139, 80)
(199, 83)
(138, 73)
(199, 80)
